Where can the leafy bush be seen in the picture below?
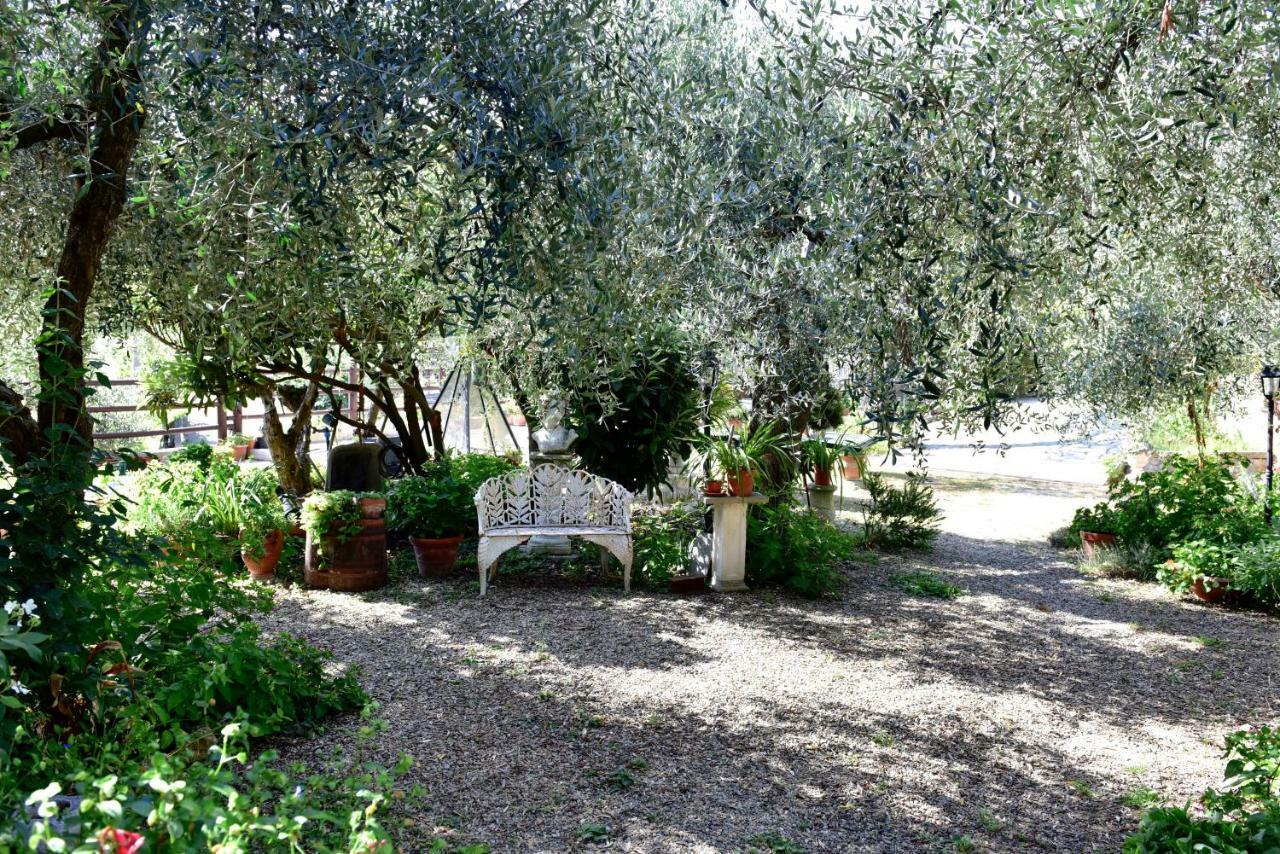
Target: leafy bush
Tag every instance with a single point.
(1189, 499)
(1257, 571)
(1252, 569)
(472, 470)
(1121, 561)
(1242, 818)
(900, 518)
(629, 428)
(433, 506)
(200, 453)
(224, 803)
(796, 548)
(331, 514)
(660, 540)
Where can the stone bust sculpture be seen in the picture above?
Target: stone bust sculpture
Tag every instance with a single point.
(553, 436)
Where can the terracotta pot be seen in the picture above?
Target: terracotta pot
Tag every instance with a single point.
(1095, 541)
(851, 467)
(372, 507)
(263, 566)
(822, 477)
(356, 564)
(713, 487)
(435, 557)
(742, 482)
(239, 452)
(1211, 590)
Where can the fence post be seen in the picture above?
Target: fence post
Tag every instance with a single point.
(237, 421)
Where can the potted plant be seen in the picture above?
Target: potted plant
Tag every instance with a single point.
(740, 457)
(331, 516)
(1097, 526)
(434, 512)
(372, 505)
(262, 526)
(819, 459)
(344, 550)
(239, 445)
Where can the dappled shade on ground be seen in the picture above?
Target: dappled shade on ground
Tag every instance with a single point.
(1019, 715)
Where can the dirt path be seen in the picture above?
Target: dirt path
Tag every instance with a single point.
(1017, 717)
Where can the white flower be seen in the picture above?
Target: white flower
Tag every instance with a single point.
(29, 607)
(10, 606)
(19, 688)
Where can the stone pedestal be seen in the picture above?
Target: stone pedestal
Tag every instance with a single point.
(729, 540)
(558, 546)
(822, 501)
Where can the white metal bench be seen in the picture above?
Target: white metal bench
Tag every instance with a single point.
(552, 501)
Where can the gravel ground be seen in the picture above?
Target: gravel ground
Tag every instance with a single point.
(1019, 715)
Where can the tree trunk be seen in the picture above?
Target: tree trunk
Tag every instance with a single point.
(114, 100)
(293, 465)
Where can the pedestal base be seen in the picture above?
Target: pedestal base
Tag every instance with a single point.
(729, 540)
(822, 501)
(557, 548)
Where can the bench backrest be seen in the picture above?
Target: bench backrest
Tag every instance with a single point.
(552, 496)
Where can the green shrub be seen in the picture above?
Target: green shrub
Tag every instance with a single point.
(1189, 499)
(472, 470)
(331, 514)
(200, 453)
(1257, 571)
(900, 518)
(1121, 561)
(796, 548)
(660, 541)
(433, 506)
(222, 803)
(1242, 818)
(631, 426)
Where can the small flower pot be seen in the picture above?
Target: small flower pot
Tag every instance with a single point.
(263, 566)
(1095, 541)
(741, 483)
(822, 477)
(1210, 589)
(372, 507)
(713, 488)
(851, 467)
(239, 452)
(435, 557)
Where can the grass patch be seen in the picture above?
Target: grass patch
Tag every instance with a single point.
(925, 584)
(1142, 798)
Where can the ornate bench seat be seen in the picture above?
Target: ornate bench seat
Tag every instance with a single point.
(552, 501)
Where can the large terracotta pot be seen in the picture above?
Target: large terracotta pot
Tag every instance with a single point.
(851, 467)
(263, 567)
(239, 452)
(359, 563)
(372, 507)
(1095, 541)
(742, 482)
(1211, 590)
(435, 557)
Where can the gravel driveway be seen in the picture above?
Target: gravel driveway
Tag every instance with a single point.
(1017, 717)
